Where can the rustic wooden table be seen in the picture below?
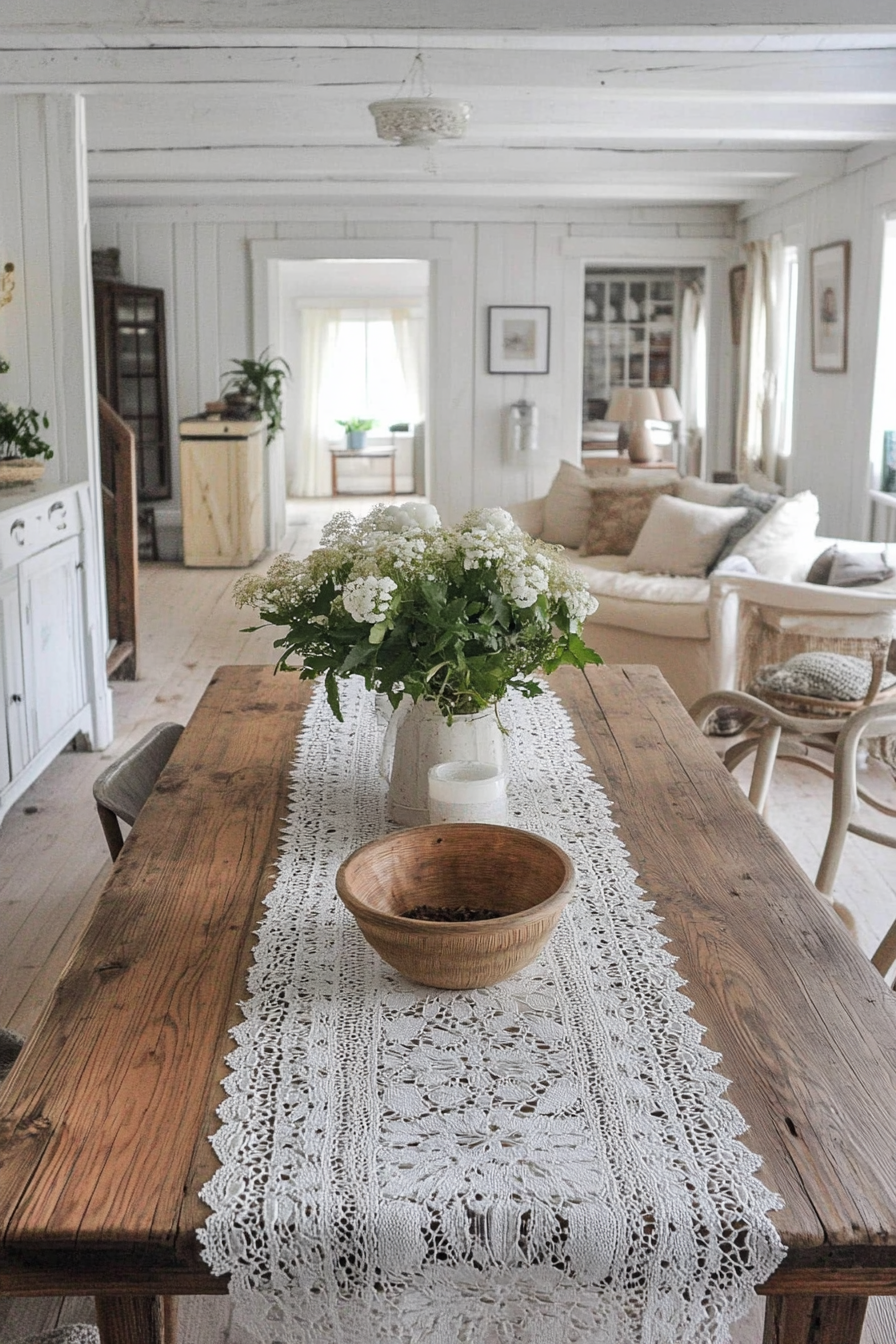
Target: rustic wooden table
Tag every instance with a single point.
(103, 1122)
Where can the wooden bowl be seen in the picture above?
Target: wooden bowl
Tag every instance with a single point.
(526, 879)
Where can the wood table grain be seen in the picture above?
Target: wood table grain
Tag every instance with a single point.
(103, 1121)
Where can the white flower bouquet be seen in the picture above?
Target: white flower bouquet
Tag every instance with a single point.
(453, 615)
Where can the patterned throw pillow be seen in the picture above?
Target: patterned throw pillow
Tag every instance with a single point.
(617, 517)
(828, 676)
(757, 506)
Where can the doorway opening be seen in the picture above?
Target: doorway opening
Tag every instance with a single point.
(354, 332)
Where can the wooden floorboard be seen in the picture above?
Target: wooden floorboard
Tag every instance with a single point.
(53, 856)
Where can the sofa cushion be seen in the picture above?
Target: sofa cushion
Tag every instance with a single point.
(567, 506)
(682, 538)
(777, 545)
(655, 604)
(619, 510)
(697, 491)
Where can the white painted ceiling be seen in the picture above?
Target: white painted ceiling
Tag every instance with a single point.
(219, 99)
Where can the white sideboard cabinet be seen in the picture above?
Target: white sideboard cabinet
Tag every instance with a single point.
(43, 639)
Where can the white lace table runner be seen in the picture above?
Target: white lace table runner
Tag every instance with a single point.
(550, 1161)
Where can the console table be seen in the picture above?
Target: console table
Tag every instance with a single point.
(337, 454)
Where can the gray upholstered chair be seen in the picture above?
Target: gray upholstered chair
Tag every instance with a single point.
(122, 789)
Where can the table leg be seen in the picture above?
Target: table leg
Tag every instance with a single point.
(392, 465)
(333, 474)
(137, 1320)
(797, 1319)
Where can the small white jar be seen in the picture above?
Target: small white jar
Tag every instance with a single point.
(467, 791)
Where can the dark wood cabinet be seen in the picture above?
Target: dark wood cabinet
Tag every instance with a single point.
(131, 373)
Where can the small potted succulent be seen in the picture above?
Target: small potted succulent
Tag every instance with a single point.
(254, 387)
(22, 450)
(356, 431)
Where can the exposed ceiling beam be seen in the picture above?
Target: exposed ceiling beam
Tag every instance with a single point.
(692, 16)
(458, 163)
(812, 77)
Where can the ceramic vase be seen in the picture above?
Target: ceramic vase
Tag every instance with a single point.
(419, 736)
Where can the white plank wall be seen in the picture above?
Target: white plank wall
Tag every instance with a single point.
(832, 449)
(201, 260)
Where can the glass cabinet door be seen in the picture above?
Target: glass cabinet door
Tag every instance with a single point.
(132, 376)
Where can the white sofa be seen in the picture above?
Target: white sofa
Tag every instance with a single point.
(713, 633)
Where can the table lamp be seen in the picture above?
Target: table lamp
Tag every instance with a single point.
(644, 404)
(619, 410)
(670, 409)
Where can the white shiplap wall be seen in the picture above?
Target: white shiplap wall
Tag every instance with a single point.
(832, 450)
(46, 330)
(200, 256)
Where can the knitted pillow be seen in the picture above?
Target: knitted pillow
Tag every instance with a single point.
(756, 505)
(617, 516)
(827, 676)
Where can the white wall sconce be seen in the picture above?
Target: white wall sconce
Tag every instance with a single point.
(522, 426)
(7, 284)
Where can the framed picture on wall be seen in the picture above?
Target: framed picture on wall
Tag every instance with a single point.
(519, 339)
(829, 280)
(737, 280)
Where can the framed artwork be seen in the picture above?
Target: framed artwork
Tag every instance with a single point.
(518, 339)
(737, 279)
(829, 280)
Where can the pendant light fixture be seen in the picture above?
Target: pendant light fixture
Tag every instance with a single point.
(414, 117)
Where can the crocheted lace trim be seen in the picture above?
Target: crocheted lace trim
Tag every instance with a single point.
(550, 1161)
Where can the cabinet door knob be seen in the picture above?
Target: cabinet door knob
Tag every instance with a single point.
(60, 522)
(17, 531)
(15, 699)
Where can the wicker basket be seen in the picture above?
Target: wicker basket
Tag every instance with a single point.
(15, 471)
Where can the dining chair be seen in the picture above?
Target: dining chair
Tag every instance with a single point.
(10, 1048)
(124, 786)
(770, 732)
(66, 1334)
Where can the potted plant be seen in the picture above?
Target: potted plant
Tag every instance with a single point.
(356, 431)
(254, 387)
(446, 619)
(21, 447)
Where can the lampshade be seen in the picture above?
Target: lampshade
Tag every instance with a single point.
(420, 121)
(619, 408)
(670, 406)
(644, 404)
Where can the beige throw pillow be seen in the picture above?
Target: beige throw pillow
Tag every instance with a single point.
(617, 516)
(777, 544)
(682, 538)
(567, 506)
(697, 491)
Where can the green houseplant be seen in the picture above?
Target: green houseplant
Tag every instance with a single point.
(356, 430)
(21, 444)
(255, 386)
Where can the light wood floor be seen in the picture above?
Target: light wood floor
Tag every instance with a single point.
(53, 859)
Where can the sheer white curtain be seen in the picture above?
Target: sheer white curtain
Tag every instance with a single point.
(692, 391)
(763, 361)
(410, 342)
(318, 332)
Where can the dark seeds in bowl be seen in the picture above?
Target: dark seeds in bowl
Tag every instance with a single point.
(458, 914)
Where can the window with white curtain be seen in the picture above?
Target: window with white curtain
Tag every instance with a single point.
(365, 375)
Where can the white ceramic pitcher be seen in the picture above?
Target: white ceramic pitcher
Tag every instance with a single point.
(419, 736)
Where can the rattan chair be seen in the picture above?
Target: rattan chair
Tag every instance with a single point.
(827, 738)
(122, 789)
